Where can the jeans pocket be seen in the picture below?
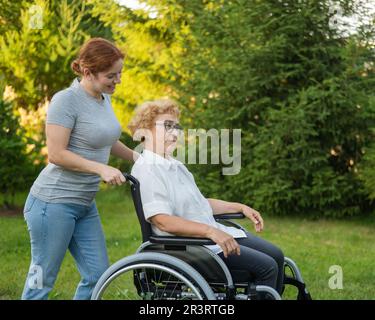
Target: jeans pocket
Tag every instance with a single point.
(29, 203)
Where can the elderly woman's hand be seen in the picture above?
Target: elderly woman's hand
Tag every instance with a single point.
(227, 243)
(254, 216)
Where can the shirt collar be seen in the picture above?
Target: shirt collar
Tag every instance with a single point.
(154, 158)
(77, 87)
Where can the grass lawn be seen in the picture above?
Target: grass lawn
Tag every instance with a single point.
(314, 245)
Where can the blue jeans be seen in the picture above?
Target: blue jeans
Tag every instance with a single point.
(54, 228)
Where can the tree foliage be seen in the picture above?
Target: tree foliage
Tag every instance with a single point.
(149, 44)
(18, 163)
(38, 41)
(37, 51)
(298, 87)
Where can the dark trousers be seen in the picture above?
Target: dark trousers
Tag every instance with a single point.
(263, 261)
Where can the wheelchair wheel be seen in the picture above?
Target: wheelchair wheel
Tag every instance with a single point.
(152, 276)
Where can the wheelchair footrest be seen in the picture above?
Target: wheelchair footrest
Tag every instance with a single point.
(303, 294)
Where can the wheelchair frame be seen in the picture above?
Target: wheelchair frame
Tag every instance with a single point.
(168, 254)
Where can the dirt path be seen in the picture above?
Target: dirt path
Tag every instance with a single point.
(11, 212)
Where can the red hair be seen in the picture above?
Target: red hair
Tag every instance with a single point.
(97, 55)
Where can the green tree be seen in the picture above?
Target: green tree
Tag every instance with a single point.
(9, 15)
(38, 41)
(37, 51)
(297, 87)
(18, 163)
(367, 169)
(149, 43)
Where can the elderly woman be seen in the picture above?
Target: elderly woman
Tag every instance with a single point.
(173, 204)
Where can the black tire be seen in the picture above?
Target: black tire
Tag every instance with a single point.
(152, 275)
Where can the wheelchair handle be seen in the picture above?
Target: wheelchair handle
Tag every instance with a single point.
(130, 178)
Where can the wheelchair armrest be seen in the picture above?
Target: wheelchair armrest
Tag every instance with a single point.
(227, 216)
(171, 240)
(174, 240)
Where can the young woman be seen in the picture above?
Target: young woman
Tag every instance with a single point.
(60, 210)
(173, 204)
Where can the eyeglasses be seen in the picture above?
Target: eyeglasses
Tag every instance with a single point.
(170, 125)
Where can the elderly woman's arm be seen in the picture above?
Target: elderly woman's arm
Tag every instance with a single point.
(221, 206)
(187, 228)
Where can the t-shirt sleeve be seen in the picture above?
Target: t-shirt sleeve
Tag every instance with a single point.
(154, 194)
(61, 110)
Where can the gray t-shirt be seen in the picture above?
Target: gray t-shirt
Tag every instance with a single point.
(94, 130)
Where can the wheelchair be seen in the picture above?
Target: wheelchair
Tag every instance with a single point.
(182, 268)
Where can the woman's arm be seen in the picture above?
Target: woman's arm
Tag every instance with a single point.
(187, 228)
(221, 206)
(122, 151)
(58, 154)
(180, 226)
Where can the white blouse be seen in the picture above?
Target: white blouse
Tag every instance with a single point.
(167, 187)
